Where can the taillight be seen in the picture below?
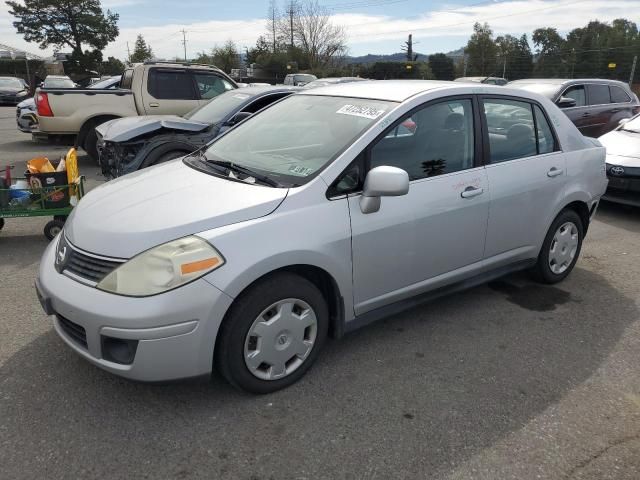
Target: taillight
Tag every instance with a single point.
(42, 105)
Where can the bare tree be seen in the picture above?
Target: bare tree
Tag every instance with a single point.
(273, 21)
(320, 40)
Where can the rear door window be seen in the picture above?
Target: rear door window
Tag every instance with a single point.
(618, 95)
(170, 84)
(599, 94)
(577, 93)
(546, 140)
(510, 129)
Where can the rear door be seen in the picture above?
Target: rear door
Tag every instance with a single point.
(600, 108)
(526, 173)
(169, 91)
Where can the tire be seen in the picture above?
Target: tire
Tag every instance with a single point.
(163, 154)
(90, 143)
(52, 228)
(1, 223)
(238, 345)
(561, 248)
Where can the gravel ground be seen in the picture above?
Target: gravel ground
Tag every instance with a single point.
(510, 380)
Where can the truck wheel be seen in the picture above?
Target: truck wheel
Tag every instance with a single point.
(90, 144)
(53, 228)
(272, 334)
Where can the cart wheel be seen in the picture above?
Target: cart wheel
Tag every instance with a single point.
(52, 228)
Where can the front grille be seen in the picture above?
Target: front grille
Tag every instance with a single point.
(73, 330)
(88, 267)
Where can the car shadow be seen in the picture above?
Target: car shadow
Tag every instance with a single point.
(621, 216)
(411, 396)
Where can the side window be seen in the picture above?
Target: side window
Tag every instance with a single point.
(546, 142)
(510, 129)
(618, 95)
(260, 103)
(171, 85)
(577, 93)
(598, 94)
(435, 140)
(211, 86)
(127, 79)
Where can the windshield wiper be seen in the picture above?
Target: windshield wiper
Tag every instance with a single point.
(244, 170)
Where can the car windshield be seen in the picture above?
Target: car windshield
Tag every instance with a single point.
(10, 83)
(305, 78)
(632, 125)
(102, 84)
(218, 107)
(549, 90)
(295, 139)
(58, 83)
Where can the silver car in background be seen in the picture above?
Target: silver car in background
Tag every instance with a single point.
(328, 210)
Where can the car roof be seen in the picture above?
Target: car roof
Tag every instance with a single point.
(391, 90)
(261, 89)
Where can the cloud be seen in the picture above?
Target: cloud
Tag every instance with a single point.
(452, 21)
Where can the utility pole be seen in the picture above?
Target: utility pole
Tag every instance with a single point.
(26, 62)
(184, 43)
(292, 5)
(504, 67)
(128, 54)
(633, 69)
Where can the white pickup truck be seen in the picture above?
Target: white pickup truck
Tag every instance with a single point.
(151, 88)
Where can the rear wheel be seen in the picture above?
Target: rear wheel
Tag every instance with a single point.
(561, 248)
(90, 143)
(272, 334)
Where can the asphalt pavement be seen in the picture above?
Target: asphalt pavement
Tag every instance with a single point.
(510, 380)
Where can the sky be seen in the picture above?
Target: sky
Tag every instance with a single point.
(372, 26)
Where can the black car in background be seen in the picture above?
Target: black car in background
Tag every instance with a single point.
(131, 143)
(595, 106)
(13, 90)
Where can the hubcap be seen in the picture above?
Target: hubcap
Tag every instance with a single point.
(55, 231)
(280, 339)
(563, 248)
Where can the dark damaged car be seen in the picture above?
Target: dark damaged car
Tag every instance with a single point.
(132, 143)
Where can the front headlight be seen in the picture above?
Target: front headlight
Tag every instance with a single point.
(163, 268)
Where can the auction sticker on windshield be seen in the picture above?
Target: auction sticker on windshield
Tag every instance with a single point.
(361, 111)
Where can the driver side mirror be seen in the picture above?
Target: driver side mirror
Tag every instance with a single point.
(566, 102)
(382, 182)
(239, 117)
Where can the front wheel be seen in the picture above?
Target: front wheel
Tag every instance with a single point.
(272, 334)
(560, 249)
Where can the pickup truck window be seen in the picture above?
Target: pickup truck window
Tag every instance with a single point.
(211, 85)
(127, 79)
(165, 84)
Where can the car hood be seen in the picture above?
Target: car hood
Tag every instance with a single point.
(133, 213)
(11, 90)
(622, 144)
(128, 128)
(29, 104)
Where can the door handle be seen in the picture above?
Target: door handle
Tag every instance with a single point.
(587, 114)
(154, 104)
(471, 192)
(554, 172)
(615, 110)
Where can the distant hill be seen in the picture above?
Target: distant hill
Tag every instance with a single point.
(398, 57)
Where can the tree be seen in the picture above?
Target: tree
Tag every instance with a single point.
(112, 66)
(141, 51)
(226, 57)
(515, 59)
(550, 49)
(255, 54)
(441, 66)
(481, 51)
(319, 39)
(67, 23)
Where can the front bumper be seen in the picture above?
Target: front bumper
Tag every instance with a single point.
(623, 188)
(174, 332)
(27, 121)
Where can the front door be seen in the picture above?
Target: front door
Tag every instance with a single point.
(423, 239)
